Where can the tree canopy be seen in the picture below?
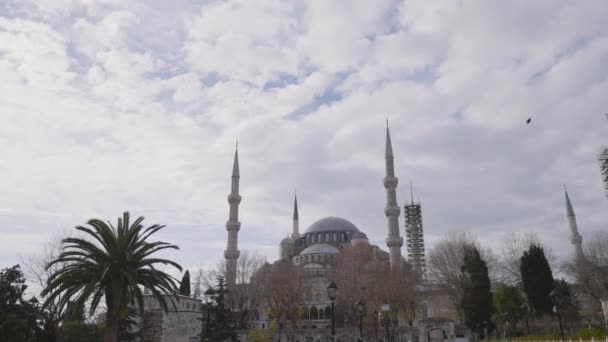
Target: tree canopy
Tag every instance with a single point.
(115, 263)
(477, 298)
(537, 279)
(184, 286)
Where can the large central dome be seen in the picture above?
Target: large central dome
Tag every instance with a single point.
(332, 224)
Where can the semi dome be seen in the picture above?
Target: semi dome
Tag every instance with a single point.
(359, 235)
(287, 241)
(332, 224)
(321, 248)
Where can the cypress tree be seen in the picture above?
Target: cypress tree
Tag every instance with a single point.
(477, 297)
(537, 279)
(222, 322)
(184, 287)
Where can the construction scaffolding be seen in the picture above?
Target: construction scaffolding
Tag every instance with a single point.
(415, 237)
(603, 159)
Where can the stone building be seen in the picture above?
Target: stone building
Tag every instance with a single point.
(181, 324)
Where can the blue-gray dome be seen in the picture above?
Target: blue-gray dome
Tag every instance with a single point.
(332, 224)
(321, 248)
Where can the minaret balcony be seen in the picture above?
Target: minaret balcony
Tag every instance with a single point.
(231, 254)
(392, 210)
(576, 239)
(234, 199)
(394, 241)
(232, 225)
(391, 182)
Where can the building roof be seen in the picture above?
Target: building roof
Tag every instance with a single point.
(320, 248)
(332, 224)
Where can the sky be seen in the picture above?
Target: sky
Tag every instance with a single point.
(112, 105)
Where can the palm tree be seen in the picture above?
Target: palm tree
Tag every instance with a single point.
(113, 266)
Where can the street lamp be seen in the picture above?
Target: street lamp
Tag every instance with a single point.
(557, 301)
(386, 320)
(526, 308)
(208, 295)
(331, 293)
(360, 311)
(375, 315)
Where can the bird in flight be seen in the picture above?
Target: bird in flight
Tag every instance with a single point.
(528, 121)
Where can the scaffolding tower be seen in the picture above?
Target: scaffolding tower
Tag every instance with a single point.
(414, 233)
(603, 159)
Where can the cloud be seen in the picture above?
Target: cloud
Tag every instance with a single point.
(110, 106)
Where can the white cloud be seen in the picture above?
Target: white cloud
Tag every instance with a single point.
(109, 106)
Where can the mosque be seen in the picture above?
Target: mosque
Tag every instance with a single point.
(320, 245)
(316, 250)
(322, 241)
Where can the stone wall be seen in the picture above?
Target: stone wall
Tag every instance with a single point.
(181, 324)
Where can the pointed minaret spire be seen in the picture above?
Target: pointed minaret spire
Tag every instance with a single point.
(235, 165)
(296, 218)
(575, 237)
(388, 151)
(392, 209)
(233, 225)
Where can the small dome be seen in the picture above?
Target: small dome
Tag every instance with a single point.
(359, 235)
(321, 248)
(287, 241)
(331, 224)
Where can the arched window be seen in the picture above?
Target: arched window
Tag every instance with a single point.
(327, 312)
(314, 314)
(321, 314)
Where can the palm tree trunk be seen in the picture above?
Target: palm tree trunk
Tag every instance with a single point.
(113, 314)
(111, 331)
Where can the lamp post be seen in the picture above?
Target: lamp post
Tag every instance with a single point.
(360, 311)
(506, 316)
(526, 308)
(557, 301)
(208, 295)
(386, 319)
(375, 316)
(331, 293)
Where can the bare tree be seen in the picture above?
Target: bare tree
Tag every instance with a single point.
(362, 275)
(513, 248)
(283, 289)
(591, 272)
(36, 272)
(508, 266)
(446, 260)
(242, 298)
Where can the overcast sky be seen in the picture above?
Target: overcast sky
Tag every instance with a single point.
(109, 106)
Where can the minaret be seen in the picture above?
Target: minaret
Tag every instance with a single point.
(233, 225)
(296, 225)
(415, 235)
(392, 210)
(575, 238)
